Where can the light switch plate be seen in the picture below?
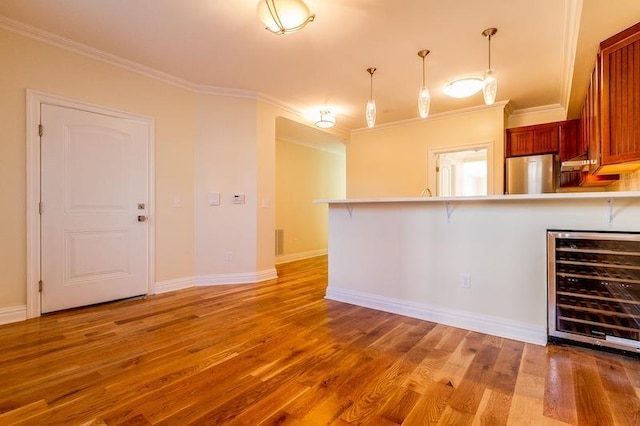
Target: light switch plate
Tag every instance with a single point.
(214, 198)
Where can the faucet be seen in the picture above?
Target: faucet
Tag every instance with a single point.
(424, 191)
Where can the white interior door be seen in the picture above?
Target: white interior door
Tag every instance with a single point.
(94, 186)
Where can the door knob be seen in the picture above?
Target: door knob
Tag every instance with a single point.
(142, 218)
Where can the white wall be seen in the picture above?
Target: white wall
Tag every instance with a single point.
(226, 163)
(32, 64)
(409, 259)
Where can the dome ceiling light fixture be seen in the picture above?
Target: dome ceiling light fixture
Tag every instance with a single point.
(464, 87)
(424, 97)
(371, 104)
(284, 16)
(490, 88)
(326, 120)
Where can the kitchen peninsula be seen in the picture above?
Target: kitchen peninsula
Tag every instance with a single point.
(478, 263)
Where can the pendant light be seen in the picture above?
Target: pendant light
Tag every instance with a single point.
(424, 97)
(371, 104)
(284, 16)
(490, 87)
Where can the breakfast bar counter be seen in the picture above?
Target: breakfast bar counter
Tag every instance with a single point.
(478, 263)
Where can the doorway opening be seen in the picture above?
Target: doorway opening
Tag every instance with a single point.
(462, 172)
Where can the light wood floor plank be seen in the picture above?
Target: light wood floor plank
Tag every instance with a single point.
(277, 352)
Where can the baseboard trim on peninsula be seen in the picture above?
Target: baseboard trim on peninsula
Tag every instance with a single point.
(13, 314)
(300, 256)
(480, 323)
(215, 279)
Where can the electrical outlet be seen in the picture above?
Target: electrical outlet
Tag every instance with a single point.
(466, 280)
(228, 256)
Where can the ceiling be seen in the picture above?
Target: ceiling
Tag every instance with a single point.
(216, 45)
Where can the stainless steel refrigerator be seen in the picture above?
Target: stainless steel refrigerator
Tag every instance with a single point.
(534, 174)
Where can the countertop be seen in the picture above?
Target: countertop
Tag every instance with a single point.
(500, 198)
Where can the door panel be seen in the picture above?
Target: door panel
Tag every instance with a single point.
(94, 174)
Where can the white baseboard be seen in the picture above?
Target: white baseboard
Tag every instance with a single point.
(13, 314)
(480, 323)
(215, 279)
(299, 256)
(238, 278)
(173, 285)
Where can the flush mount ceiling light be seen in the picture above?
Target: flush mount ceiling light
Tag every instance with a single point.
(424, 97)
(326, 121)
(464, 87)
(371, 104)
(284, 16)
(490, 83)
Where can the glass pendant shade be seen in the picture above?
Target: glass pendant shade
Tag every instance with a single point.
(490, 83)
(424, 102)
(424, 97)
(371, 113)
(490, 88)
(284, 16)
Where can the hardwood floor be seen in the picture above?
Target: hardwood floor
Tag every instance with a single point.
(278, 353)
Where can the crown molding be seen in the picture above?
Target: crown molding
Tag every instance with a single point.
(447, 114)
(97, 54)
(88, 51)
(318, 146)
(538, 109)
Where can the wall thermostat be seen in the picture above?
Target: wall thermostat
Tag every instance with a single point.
(238, 198)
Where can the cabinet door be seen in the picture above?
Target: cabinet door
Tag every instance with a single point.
(570, 144)
(546, 139)
(519, 143)
(591, 119)
(620, 97)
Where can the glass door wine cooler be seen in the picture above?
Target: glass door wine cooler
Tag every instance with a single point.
(594, 288)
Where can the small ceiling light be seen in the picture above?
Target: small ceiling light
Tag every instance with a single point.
(371, 104)
(424, 97)
(326, 121)
(284, 16)
(490, 88)
(464, 87)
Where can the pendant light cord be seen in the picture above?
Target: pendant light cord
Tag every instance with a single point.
(489, 50)
(371, 71)
(371, 85)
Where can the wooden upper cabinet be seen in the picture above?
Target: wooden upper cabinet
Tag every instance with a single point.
(533, 140)
(546, 139)
(519, 143)
(590, 120)
(571, 144)
(620, 97)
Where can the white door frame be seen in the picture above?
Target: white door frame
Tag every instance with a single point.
(34, 100)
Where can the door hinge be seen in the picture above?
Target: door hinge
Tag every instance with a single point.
(40, 286)
(40, 208)
(40, 129)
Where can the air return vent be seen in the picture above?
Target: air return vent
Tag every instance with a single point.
(279, 242)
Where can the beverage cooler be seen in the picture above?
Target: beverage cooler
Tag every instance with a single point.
(594, 288)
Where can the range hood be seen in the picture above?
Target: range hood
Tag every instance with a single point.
(577, 164)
